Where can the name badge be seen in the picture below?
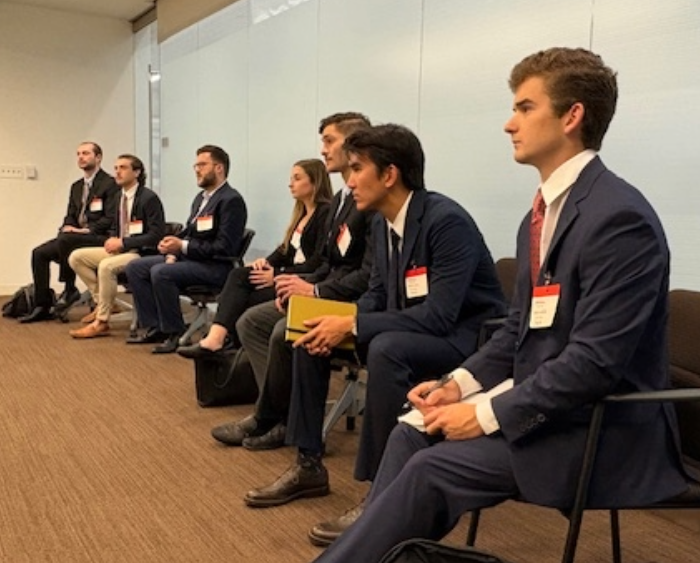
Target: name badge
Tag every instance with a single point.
(136, 227)
(205, 223)
(416, 282)
(96, 204)
(545, 299)
(344, 239)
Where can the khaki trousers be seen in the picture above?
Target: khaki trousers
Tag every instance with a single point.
(99, 270)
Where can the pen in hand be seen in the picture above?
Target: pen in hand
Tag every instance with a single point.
(435, 386)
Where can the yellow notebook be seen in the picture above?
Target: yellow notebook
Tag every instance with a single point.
(300, 309)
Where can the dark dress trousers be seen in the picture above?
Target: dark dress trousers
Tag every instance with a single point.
(156, 285)
(239, 294)
(610, 258)
(58, 249)
(424, 338)
(339, 276)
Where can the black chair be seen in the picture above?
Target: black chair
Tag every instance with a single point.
(201, 296)
(684, 356)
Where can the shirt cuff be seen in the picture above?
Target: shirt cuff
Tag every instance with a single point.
(486, 417)
(316, 294)
(185, 244)
(468, 385)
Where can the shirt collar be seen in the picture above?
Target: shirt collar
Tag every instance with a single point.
(399, 222)
(563, 177)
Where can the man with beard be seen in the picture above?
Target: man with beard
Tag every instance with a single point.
(213, 230)
(88, 219)
(139, 225)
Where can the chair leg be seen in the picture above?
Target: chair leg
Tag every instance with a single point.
(473, 527)
(615, 536)
(344, 402)
(199, 322)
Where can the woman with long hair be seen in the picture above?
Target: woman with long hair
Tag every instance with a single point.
(299, 253)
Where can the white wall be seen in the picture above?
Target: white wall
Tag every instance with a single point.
(257, 77)
(64, 78)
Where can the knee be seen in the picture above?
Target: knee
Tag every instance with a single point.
(75, 259)
(385, 347)
(244, 325)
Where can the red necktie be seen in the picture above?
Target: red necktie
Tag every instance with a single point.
(536, 222)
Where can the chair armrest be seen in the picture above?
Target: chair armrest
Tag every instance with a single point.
(666, 395)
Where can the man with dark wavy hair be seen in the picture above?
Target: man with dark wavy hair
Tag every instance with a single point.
(138, 226)
(588, 318)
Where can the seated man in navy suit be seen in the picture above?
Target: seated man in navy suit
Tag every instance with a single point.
(432, 285)
(195, 256)
(588, 318)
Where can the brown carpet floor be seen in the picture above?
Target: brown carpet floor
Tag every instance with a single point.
(106, 457)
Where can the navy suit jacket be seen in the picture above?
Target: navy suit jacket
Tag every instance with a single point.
(104, 188)
(463, 288)
(345, 277)
(610, 257)
(229, 215)
(148, 209)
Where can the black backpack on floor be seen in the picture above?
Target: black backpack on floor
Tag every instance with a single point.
(21, 303)
(427, 551)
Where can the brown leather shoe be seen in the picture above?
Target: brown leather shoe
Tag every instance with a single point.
(89, 318)
(91, 331)
(325, 533)
(299, 481)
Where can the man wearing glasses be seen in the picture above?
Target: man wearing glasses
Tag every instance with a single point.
(192, 257)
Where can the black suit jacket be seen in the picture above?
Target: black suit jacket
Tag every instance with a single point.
(313, 239)
(463, 288)
(147, 208)
(103, 188)
(229, 216)
(340, 277)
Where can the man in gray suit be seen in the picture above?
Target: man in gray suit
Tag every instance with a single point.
(588, 318)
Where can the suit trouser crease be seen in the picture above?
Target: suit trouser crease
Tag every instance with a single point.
(421, 490)
(261, 331)
(57, 250)
(396, 361)
(156, 288)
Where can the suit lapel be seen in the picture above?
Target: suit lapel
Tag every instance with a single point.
(412, 227)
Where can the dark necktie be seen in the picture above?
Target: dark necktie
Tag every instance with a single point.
(82, 216)
(394, 281)
(536, 223)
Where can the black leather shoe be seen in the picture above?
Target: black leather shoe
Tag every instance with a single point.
(67, 298)
(325, 533)
(38, 314)
(169, 346)
(233, 433)
(152, 336)
(196, 352)
(271, 440)
(299, 481)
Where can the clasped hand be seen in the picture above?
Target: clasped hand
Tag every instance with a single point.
(325, 333)
(170, 245)
(443, 412)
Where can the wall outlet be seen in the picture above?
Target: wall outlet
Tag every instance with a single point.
(11, 172)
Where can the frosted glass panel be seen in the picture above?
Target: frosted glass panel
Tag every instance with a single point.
(369, 58)
(257, 77)
(653, 140)
(469, 49)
